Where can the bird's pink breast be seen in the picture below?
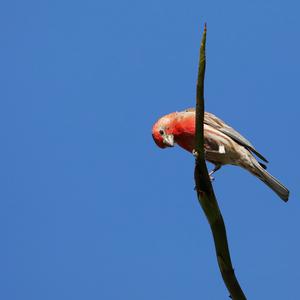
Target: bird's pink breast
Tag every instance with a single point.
(184, 131)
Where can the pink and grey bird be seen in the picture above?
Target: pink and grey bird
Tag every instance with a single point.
(222, 144)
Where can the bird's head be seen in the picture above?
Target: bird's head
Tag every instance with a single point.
(162, 131)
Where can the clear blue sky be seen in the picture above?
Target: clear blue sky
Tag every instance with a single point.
(90, 207)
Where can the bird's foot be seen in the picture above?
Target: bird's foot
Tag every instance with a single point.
(216, 168)
(195, 153)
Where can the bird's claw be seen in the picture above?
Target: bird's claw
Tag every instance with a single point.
(195, 153)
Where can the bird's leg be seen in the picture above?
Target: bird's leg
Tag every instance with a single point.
(216, 168)
(217, 157)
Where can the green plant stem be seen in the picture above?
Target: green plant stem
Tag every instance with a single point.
(205, 192)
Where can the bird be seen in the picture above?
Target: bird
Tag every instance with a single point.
(223, 145)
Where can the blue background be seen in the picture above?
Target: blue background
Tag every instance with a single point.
(90, 208)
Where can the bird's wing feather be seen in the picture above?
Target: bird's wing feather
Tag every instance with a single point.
(242, 141)
(217, 123)
(220, 125)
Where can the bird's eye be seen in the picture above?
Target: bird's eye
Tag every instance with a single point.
(161, 132)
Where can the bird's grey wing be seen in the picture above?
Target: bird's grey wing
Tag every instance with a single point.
(217, 123)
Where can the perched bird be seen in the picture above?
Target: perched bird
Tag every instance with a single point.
(222, 145)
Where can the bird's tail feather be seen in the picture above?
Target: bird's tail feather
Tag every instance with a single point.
(270, 180)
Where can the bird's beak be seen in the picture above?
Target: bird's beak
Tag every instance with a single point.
(168, 139)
